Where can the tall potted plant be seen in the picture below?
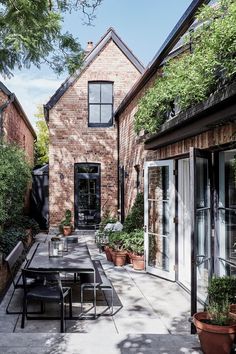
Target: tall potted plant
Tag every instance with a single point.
(216, 327)
(119, 253)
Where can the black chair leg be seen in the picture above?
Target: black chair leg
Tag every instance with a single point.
(70, 303)
(24, 313)
(62, 317)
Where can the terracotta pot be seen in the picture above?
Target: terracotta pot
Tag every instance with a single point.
(214, 339)
(138, 261)
(113, 255)
(67, 230)
(129, 258)
(108, 253)
(120, 258)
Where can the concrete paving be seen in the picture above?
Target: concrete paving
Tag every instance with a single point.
(151, 316)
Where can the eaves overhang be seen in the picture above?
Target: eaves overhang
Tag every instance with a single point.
(218, 109)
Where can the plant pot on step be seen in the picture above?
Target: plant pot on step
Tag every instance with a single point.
(214, 339)
(67, 230)
(137, 261)
(120, 258)
(107, 250)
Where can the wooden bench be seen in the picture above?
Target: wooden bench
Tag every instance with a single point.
(102, 283)
(17, 257)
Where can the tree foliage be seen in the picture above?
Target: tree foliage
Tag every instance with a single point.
(190, 78)
(14, 178)
(31, 33)
(42, 143)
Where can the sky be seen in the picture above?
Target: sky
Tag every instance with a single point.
(142, 24)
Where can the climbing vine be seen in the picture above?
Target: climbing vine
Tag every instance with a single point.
(190, 78)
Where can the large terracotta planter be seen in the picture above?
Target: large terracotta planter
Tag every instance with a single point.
(137, 261)
(214, 339)
(120, 258)
(108, 253)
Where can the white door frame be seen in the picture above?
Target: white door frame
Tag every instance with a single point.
(170, 274)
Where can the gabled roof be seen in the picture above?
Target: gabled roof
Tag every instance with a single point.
(109, 35)
(12, 98)
(179, 30)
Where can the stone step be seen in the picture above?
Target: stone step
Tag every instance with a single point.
(79, 343)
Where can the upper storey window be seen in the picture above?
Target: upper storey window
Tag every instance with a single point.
(100, 101)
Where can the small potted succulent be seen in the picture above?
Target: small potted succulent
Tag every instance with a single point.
(216, 327)
(66, 225)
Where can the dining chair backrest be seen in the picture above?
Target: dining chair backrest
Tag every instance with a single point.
(16, 256)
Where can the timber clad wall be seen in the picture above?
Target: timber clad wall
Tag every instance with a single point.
(72, 141)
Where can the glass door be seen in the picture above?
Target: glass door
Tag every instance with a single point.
(159, 218)
(226, 235)
(87, 195)
(201, 226)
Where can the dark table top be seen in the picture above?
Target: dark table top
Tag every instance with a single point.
(77, 259)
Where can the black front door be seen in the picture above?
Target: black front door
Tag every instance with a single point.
(87, 195)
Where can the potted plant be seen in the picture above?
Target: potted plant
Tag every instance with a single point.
(216, 327)
(66, 224)
(116, 241)
(135, 244)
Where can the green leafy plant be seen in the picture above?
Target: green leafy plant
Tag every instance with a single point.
(117, 240)
(14, 178)
(135, 218)
(191, 77)
(134, 242)
(222, 292)
(10, 237)
(28, 223)
(67, 220)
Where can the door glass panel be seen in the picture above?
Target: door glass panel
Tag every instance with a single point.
(184, 223)
(158, 217)
(88, 194)
(203, 227)
(227, 213)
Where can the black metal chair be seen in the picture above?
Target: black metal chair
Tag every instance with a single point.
(14, 260)
(47, 288)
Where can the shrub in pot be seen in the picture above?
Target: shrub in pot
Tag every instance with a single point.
(216, 327)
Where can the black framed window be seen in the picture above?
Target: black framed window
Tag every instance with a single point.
(100, 102)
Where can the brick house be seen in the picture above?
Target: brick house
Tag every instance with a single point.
(83, 154)
(14, 124)
(187, 171)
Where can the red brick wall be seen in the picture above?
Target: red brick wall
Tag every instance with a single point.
(72, 141)
(15, 129)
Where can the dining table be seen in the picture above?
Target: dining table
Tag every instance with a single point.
(76, 259)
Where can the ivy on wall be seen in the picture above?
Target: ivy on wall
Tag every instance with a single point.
(190, 78)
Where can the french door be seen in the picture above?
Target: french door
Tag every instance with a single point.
(87, 195)
(159, 194)
(201, 226)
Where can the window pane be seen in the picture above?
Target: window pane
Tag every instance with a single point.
(106, 93)
(106, 113)
(94, 113)
(94, 93)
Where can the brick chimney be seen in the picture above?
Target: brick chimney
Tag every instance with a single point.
(89, 47)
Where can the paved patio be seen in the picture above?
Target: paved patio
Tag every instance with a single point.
(151, 316)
